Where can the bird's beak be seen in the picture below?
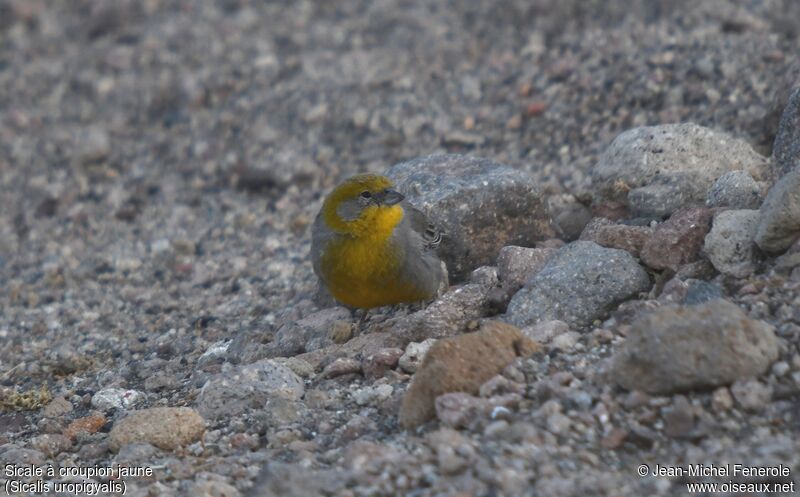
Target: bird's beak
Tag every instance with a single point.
(389, 197)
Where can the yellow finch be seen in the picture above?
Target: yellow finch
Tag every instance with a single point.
(372, 248)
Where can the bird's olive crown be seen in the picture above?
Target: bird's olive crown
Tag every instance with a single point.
(348, 202)
(362, 186)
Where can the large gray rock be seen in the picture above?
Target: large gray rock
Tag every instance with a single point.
(579, 284)
(736, 190)
(779, 222)
(659, 169)
(786, 149)
(729, 245)
(703, 346)
(247, 387)
(481, 205)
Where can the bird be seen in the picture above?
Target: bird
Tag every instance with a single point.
(371, 248)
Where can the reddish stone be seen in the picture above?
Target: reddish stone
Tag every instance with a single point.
(536, 108)
(89, 425)
(620, 236)
(376, 365)
(678, 240)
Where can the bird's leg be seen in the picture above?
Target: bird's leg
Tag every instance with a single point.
(362, 320)
(422, 305)
(359, 326)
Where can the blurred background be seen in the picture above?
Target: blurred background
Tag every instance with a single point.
(126, 124)
(161, 160)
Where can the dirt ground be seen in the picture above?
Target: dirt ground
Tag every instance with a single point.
(161, 162)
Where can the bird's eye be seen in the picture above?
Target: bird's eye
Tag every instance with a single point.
(366, 195)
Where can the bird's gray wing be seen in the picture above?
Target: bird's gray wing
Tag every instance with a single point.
(421, 265)
(431, 236)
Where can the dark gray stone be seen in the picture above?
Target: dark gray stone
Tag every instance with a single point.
(234, 392)
(737, 190)
(481, 206)
(699, 291)
(779, 220)
(786, 149)
(580, 283)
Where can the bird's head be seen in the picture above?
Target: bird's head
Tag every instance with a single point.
(364, 205)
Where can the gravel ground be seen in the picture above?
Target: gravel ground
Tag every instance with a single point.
(161, 162)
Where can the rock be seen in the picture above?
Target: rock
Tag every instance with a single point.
(460, 409)
(516, 264)
(676, 349)
(614, 439)
(321, 325)
(93, 145)
(780, 368)
(341, 366)
(372, 394)
(51, 444)
(116, 398)
(247, 387)
(137, 453)
(699, 291)
(786, 149)
(462, 364)
(752, 395)
(298, 366)
(378, 363)
(565, 341)
(660, 169)
(735, 190)
(500, 385)
(278, 479)
(557, 423)
(65, 360)
(569, 216)
(462, 138)
(545, 331)
(580, 283)
(86, 425)
(57, 408)
(729, 245)
(605, 233)
(465, 196)
(105, 18)
(613, 210)
(790, 260)
(211, 488)
(454, 452)
(164, 427)
(414, 354)
(779, 220)
(313, 332)
(721, 399)
(279, 412)
(665, 195)
(782, 90)
(678, 240)
(446, 316)
(17, 455)
(484, 276)
(680, 420)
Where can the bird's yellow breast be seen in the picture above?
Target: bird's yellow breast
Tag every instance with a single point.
(363, 271)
